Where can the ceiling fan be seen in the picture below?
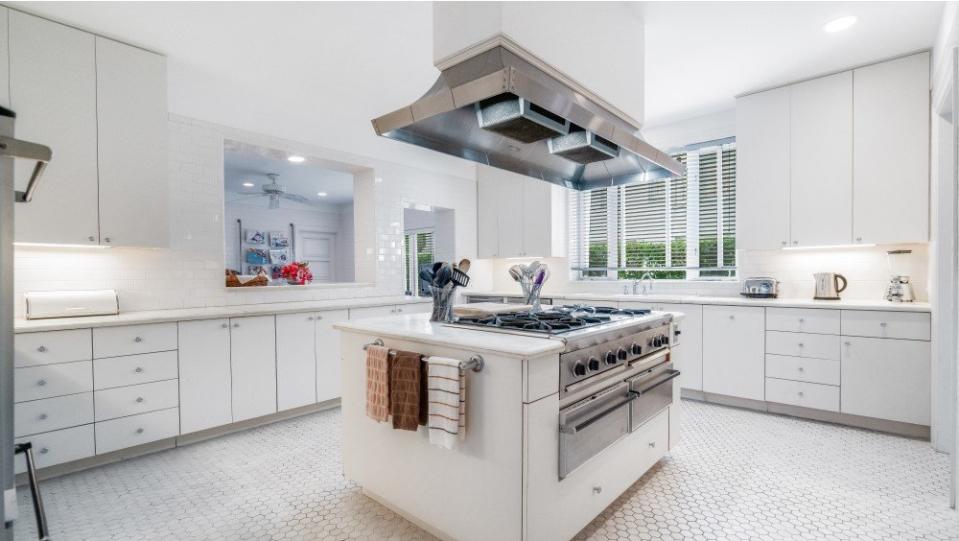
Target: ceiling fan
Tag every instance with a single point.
(275, 191)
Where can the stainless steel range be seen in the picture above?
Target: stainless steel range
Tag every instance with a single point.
(613, 372)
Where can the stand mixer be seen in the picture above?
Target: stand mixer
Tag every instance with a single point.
(899, 288)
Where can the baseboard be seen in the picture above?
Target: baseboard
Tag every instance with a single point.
(908, 430)
(177, 441)
(412, 518)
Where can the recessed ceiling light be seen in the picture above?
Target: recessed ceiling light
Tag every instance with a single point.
(296, 159)
(840, 24)
(321, 194)
(247, 184)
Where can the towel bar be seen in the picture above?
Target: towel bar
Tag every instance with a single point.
(474, 363)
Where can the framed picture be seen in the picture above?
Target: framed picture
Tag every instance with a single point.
(274, 271)
(279, 257)
(279, 239)
(256, 256)
(253, 236)
(255, 269)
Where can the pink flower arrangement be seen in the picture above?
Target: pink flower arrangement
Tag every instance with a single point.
(297, 273)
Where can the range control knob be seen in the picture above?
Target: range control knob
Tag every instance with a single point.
(593, 364)
(664, 339)
(636, 349)
(579, 369)
(610, 357)
(622, 353)
(657, 342)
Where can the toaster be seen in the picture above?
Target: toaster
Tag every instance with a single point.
(762, 287)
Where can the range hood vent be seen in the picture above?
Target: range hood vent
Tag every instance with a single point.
(500, 109)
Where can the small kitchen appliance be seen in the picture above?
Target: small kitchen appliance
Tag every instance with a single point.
(762, 287)
(827, 286)
(899, 288)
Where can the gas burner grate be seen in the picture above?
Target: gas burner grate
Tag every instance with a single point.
(558, 320)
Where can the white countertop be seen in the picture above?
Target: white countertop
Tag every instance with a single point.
(419, 328)
(845, 304)
(185, 314)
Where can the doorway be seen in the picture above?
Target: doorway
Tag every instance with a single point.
(319, 250)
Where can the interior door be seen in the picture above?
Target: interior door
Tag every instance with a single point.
(319, 250)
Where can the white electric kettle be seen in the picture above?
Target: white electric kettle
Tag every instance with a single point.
(827, 285)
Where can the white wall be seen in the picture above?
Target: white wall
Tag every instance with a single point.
(191, 272)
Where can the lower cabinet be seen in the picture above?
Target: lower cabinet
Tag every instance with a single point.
(328, 355)
(59, 446)
(886, 379)
(734, 351)
(295, 360)
(135, 430)
(253, 366)
(205, 377)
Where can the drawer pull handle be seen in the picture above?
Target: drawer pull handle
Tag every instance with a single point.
(652, 445)
(43, 416)
(235, 325)
(139, 399)
(732, 316)
(847, 342)
(802, 320)
(138, 339)
(138, 369)
(882, 324)
(597, 489)
(310, 318)
(42, 349)
(44, 451)
(139, 431)
(42, 382)
(800, 394)
(802, 345)
(801, 369)
(319, 318)
(225, 325)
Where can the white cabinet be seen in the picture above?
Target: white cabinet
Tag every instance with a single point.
(295, 360)
(53, 91)
(205, 379)
(762, 156)
(886, 379)
(253, 366)
(733, 351)
(891, 151)
(131, 142)
(328, 358)
(51, 347)
(5, 57)
(101, 106)
(820, 165)
(519, 216)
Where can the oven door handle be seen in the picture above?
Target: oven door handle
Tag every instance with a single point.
(671, 374)
(573, 429)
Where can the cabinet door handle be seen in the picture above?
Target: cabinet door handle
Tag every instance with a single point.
(108, 240)
(225, 325)
(138, 369)
(43, 416)
(44, 450)
(139, 399)
(235, 325)
(138, 339)
(319, 318)
(652, 445)
(597, 489)
(309, 318)
(91, 238)
(139, 431)
(42, 382)
(42, 349)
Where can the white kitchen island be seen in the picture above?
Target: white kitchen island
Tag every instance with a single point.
(502, 482)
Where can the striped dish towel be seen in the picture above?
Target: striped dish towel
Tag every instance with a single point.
(447, 401)
(378, 383)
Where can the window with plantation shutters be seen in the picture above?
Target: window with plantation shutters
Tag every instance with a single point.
(676, 228)
(418, 254)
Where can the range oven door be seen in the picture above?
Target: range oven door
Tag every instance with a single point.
(591, 425)
(651, 392)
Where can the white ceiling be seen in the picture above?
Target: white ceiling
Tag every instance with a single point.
(318, 72)
(700, 55)
(244, 163)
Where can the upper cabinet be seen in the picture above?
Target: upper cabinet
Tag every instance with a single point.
(891, 151)
(519, 216)
(836, 160)
(101, 107)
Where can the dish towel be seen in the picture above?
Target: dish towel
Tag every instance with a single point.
(378, 383)
(447, 402)
(405, 390)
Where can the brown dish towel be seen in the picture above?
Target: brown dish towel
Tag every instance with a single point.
(405, 375)
(378, 383)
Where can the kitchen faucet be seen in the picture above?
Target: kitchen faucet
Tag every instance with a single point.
(642, 279)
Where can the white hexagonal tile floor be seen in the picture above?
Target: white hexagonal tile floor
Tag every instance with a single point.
(736, 475)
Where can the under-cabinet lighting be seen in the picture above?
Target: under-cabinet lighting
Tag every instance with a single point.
(830, 247)
(247, 184)
(49, 245)
(526, 257)
(321, 194)
(840, 24)
(296, 159)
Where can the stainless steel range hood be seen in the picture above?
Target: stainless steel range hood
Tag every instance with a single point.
(498, 109)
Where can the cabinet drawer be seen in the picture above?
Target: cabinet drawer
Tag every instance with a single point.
(803, 369)
(134, 369)
(799, 393)
(908, 325)
(797, 344)
(803, 320)
(51, 448)
(39, 382)
(38, 348)
(133, 339)
(137, 430)
(124, 401)
(53, 413)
